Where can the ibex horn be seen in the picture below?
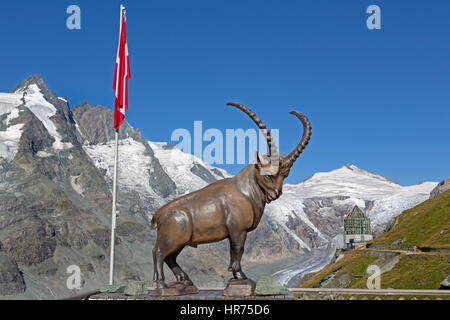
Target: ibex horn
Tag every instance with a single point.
(291, 157)
(273, 152)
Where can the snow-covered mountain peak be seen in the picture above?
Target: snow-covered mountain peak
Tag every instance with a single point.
(348, 171)
(347, 180)
(358, 170)
(35, 80)
(28, 95)
(31, 97)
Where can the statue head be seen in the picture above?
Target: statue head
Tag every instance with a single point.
(271, 168)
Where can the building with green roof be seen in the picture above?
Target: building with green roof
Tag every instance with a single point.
(357, 229)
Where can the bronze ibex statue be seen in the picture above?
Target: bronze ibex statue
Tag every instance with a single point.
(227, 208)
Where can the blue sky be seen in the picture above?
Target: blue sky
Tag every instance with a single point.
(376, 98)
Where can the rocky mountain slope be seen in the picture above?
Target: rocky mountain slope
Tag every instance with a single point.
(442, 186)
(55, 179)
(44, 222)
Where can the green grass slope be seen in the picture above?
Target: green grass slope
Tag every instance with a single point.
(409, 271)
(426, 225)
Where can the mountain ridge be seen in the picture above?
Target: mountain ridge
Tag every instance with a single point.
(354, 168)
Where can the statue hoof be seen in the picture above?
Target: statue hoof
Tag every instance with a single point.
(160, 284)
(239, 275)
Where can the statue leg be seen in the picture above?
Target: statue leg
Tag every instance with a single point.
(180, 275)
(172, 237)
(237, 242)
(230, 266)
(158, 259)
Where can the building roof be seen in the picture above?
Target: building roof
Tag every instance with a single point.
(356, 212)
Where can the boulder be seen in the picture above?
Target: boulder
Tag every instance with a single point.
(114, 288)
(445, 284)
(398, 243)
(136, 288)
(266, 286)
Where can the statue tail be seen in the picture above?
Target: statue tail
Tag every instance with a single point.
(155, 219)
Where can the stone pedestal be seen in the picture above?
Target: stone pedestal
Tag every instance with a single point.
(239, 288)
(175, 289)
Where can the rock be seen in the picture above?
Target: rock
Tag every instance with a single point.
(445, 284)
(328, 280)
(267, 286)
(335, 280)
(398, 243)
(11, 279)
(343, 280)
(136, 288)
(442, 186)
(115, 288)
(392, 223)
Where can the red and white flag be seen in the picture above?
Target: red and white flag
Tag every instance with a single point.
(121, 75)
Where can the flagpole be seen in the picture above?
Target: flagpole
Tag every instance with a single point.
(114, 209)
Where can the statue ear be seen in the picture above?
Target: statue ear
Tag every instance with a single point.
(260, 161)
(257, 160)
(264, 166)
